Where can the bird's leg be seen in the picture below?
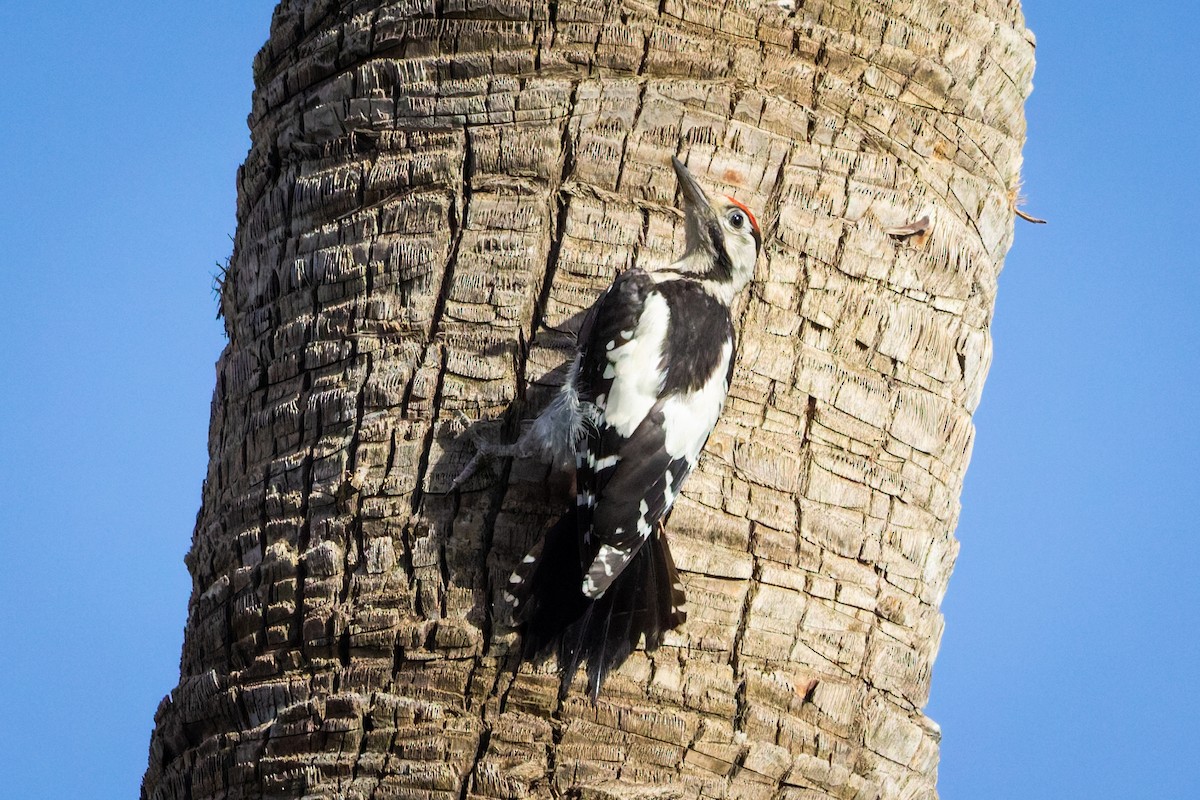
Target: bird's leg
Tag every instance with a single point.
(550, 437)
(485, 449)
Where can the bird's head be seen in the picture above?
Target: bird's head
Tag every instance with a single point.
(723, 237)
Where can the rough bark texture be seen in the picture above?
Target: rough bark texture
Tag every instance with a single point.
(431, 183)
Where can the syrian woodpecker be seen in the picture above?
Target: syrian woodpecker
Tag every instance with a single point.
(655, 359)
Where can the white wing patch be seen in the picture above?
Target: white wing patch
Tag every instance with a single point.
(643, 525)
(610, 560)
(598, 464)
(637, 368)
(669, 491)
(690, 417)
(604, 566)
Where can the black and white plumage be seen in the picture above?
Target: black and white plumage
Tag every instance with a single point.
(646, 388)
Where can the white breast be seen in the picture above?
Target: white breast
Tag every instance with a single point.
(636, 368)
(690, 417)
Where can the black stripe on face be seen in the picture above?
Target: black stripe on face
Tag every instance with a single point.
(722, 267)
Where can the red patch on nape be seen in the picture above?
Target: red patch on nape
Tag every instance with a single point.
(749, 213)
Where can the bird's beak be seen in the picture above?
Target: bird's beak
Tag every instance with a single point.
(703, 228)
(693, 195)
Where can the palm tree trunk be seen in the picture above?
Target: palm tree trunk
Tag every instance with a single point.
(434, 191)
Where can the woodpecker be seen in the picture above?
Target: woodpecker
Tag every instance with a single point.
(654, 362)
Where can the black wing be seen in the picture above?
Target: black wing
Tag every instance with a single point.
(557, 618)
(627, 484)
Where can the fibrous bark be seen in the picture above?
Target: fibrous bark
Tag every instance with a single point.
(434, 192)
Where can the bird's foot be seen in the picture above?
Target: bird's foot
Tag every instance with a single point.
(484, 448)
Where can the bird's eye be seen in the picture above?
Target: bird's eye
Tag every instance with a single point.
(737, 219)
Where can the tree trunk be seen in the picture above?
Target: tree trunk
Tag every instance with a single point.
(434, 192)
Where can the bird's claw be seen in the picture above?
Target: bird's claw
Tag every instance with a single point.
(483, 449)
(469, 428)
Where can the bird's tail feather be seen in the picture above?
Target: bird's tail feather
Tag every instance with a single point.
(548, 602)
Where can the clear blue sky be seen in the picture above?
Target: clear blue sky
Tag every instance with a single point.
(1068, 666)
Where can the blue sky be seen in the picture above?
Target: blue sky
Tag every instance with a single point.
(1068, 666)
